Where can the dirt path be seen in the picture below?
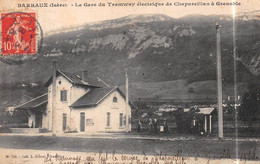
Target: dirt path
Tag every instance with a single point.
(195, 148)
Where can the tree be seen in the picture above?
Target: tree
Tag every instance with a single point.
(191, 90)
(250, 103)
(183, 120)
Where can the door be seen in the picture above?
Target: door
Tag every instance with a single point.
(82, 122)
(38, 120)
(64, 120)
(108, 118)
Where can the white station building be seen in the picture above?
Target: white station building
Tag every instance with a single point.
(81, 105)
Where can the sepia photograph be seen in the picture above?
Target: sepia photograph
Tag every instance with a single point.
(130, 82)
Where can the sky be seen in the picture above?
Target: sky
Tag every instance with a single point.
(54, 18)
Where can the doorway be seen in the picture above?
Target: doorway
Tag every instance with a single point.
(82, 122)
(38, 120)
(64, 120)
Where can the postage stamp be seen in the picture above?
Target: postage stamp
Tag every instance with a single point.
(18, 33)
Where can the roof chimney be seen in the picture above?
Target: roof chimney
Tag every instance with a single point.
(83, 75)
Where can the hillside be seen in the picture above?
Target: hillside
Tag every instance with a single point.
(181, 91)
(154, 48)
(176, 91)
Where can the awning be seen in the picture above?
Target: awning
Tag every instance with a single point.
(206, 111)
(39, 103)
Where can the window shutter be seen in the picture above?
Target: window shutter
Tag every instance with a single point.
(63, 95)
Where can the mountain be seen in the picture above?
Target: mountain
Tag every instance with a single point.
(253, 15)
(153, 47)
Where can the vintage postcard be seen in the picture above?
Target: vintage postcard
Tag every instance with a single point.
(130, 81)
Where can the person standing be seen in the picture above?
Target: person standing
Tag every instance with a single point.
(193, 125)
(150, 125)
(165, 126)
(155, 124)
(139, 126)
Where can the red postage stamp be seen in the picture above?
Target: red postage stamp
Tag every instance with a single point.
(18, 33)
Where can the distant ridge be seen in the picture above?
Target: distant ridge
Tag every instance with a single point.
(154, 47)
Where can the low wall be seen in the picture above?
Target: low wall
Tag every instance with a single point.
(24, 130)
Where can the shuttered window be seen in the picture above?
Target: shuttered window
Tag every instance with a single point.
(63, 95)
(121, 119)
(64, 121)
(82, 121)
(108, 118)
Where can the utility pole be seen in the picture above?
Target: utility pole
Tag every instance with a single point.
(54, 122)
(219, 83)
(127, 102)
(103, 82)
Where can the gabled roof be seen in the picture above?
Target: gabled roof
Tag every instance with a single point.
(77, 80)
(206, 110)
(34, 103)
(95, 96)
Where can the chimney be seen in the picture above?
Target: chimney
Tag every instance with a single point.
(83, 75)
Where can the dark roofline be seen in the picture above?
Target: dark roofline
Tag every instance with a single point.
(122, 94)
(31, 101)
(31, 108)
(49, 81)
(86, 85)
(86, 106)
(108, 93)
(20, 107)
(100, 100)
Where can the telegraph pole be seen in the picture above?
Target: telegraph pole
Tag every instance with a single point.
(219, 83)
(127, 101)
(54, 122)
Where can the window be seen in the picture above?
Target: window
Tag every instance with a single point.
(108, 118)
(115, 99)
(129, 120)
(121, 119)
(64, 121)
(63, 95)
(124, 120)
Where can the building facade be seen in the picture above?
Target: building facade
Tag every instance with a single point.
(82, 104)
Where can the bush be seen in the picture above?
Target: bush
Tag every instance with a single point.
(250, 103)
(191, 90)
